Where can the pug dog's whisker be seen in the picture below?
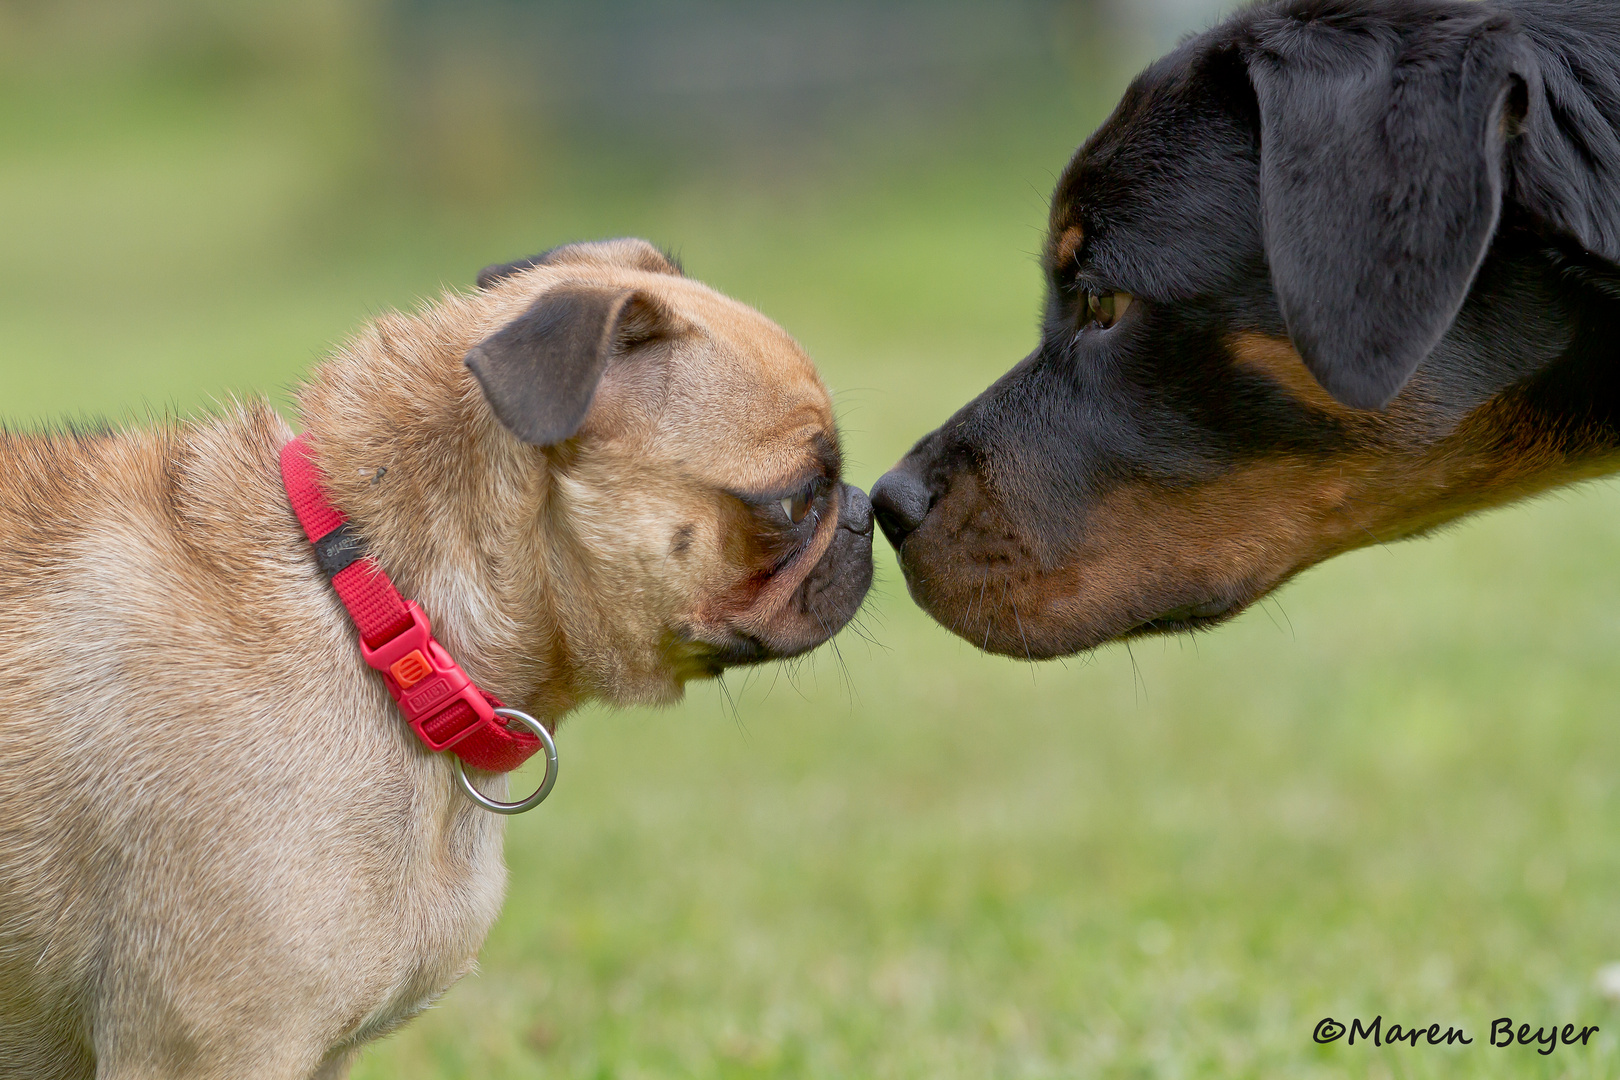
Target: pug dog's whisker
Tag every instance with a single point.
(581, 499)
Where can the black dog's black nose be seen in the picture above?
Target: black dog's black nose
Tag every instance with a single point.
(900, 502)
(855, 511)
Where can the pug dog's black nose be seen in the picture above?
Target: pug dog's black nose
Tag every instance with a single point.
(900, 502)
(855, 511)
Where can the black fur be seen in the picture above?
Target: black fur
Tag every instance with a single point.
(1423, 196)
(1376, 207)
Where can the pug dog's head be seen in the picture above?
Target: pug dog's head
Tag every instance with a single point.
(637, 478)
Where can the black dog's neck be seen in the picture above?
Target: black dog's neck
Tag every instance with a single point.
(1581, 388)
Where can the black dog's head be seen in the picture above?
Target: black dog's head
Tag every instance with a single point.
(1333, 273)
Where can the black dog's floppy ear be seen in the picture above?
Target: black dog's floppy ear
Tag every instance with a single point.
(541, 371)
(629, 252)
(1381, 176)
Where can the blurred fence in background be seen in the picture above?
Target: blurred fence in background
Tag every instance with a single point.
(472, 99)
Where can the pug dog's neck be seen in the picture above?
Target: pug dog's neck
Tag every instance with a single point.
(452, 507)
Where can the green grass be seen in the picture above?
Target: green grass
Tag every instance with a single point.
(1391, 794)
(1393, 791)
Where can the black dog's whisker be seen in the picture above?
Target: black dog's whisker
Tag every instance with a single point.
(1389, 297)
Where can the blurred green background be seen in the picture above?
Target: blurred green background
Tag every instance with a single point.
(1391, 791)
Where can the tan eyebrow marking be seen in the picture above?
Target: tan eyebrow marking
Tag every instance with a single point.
(1067, 245)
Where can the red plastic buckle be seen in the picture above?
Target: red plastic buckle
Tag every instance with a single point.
(425, 681)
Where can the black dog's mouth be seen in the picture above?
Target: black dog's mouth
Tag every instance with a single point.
(1026, 617)
(1188, 617)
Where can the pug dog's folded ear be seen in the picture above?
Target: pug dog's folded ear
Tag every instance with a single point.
(629, 252)
(540, 372)
(1381, 180)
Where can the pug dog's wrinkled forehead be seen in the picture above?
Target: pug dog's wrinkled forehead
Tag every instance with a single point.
(685, 373)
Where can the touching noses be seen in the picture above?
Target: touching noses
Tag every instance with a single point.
(900, 502)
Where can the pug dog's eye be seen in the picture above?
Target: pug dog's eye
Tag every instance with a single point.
(1106, 310)
(797, 506)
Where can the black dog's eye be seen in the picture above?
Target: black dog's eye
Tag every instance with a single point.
(797, 505)
(1106, 310)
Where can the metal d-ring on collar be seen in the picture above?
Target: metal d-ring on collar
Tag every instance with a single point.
(495, 806)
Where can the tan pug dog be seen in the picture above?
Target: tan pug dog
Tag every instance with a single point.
(222, 851)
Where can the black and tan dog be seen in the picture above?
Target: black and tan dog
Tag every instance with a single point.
(1334, 272)
(223, 853)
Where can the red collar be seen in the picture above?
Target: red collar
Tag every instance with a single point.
(444, 707)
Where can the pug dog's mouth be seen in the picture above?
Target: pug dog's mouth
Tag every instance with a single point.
(714, 653)
(711, 653)
(736, 649)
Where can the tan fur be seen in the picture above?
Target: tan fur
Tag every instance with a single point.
(1067, 245)
(1144, 549)
(222, 852)
(1279, 361)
